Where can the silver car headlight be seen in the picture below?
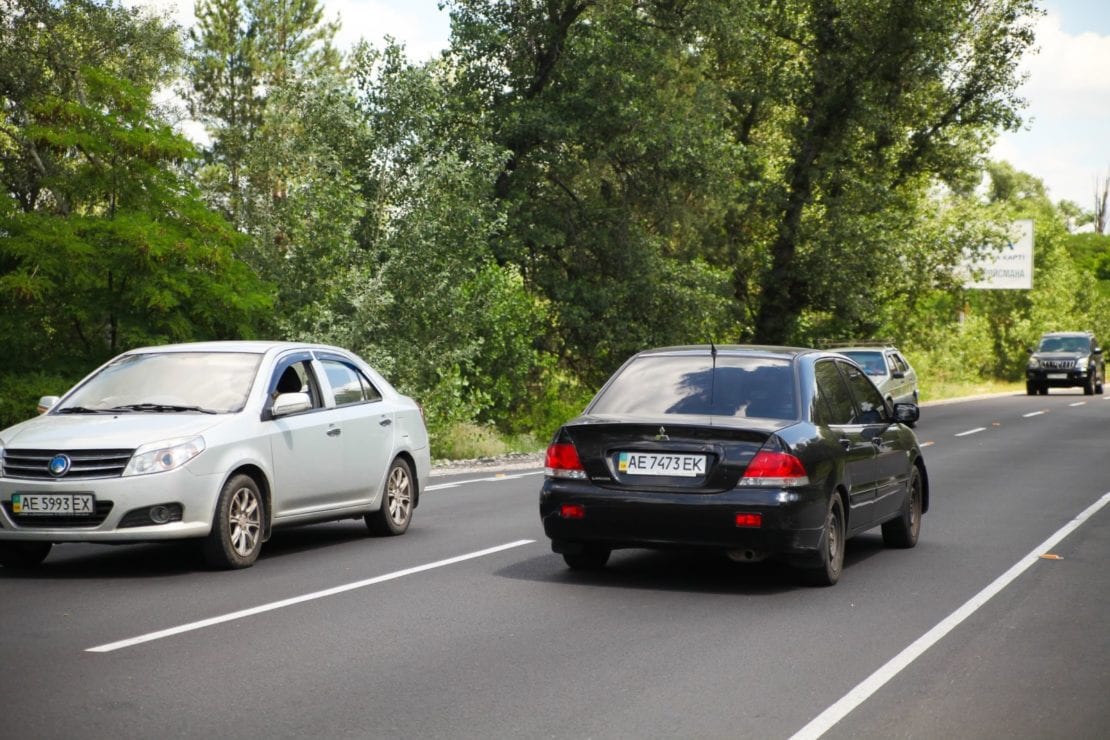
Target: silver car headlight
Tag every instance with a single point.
(1081, 362)
(158, 457)
(1034, 363)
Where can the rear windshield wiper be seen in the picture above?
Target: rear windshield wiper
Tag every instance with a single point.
(160, 407)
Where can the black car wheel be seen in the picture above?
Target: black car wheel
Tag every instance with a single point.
(23, 554)
(396, 510)
(1089, 386)
(903, 531)
(1030, 388)
(590, 557)
(236, 536)
(829, 561)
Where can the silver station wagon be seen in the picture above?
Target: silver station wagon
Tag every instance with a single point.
(219, 441)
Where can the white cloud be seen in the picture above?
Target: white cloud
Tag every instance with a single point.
(1066, 139)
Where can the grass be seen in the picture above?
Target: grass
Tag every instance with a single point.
(938, 391)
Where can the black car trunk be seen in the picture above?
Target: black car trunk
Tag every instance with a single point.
(695, 454)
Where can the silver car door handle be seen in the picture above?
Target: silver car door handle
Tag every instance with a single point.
(334, 432)
(386, 422)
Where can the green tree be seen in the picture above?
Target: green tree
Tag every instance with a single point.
(106, 245)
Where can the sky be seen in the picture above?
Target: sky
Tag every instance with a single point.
(1065, 140)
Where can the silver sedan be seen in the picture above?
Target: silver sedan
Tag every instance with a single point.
(220, 441)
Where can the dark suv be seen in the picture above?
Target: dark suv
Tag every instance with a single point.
(1065, 359)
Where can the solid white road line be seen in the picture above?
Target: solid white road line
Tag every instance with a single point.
(838, 711)
(503, 476)
(976, 430)
(109, 647)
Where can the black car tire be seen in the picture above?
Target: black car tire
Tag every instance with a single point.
(238, 526)
(903, 531)
(395, 513)
(1089, 386)
(590, 557)
(827, 565)
(1031, 388)
(23, 554)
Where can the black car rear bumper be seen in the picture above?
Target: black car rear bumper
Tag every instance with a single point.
(792, 519)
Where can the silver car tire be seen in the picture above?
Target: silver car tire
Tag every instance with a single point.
(237, 526)
(398, 498)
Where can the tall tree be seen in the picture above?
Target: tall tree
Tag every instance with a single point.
(107, 244)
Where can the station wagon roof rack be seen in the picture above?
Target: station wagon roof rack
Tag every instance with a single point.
(826, 343)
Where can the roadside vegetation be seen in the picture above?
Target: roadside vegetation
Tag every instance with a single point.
(497, 229)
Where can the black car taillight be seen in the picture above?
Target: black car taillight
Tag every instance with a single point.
(775, 469)
(562, 462)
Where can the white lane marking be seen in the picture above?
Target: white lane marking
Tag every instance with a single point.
(976, 430)
(1032, 413)
(109, 647)
(456, 484)
(930, 443)
(1078, 403)
(866, 688)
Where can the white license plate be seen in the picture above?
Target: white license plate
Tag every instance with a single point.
(1057, 376)
(656, 463)
(53, 504)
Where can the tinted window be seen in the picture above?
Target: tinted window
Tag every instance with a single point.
(833, 391)
(1065, 344)
(733, 386)
(296, 377)
(872, 408)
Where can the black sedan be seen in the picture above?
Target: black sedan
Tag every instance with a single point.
(757, 451)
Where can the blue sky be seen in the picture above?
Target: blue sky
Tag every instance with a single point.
(1065, 140)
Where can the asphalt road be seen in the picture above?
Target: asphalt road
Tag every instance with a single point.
(469, 627)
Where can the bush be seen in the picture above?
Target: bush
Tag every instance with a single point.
(20, 394)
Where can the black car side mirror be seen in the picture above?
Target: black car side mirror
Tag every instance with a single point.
(1028, 350)
(1097, 350)
(906, 413)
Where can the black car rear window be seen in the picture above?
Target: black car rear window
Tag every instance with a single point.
(731, 386)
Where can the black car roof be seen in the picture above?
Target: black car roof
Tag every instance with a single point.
(731, 349)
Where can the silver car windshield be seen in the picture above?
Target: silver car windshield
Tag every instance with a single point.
(206, 382)
(872, 363)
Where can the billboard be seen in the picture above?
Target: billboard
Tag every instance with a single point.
(1010, 268)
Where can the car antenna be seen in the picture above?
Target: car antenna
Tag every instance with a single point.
(713, 372)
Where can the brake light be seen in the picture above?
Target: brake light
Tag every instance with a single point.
(749, 520)
(572, 511)
(562, 462)
(770, 469)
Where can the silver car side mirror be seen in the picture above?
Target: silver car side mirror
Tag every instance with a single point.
(290, 403)
(46, 403)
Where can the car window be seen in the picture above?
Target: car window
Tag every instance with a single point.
(214, 381)
(900, 363)
(1065, 344)
(696, 384)
(871, 409)
(348, 385)
(871, 361)
(833, 392)
(296, 377)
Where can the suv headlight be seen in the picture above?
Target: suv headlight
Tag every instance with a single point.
(1034, 363)
(1081, 362)
(158, 457)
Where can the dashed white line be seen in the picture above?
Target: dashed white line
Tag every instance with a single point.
(976, 430)
(1032, 413)
(1078, 403)
(149, 637)
(866, 688)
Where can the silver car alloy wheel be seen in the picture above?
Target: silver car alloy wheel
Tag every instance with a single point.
(399, 495)
(245, 518)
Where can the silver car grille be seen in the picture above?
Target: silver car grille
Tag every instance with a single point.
(83, 464)
(1058, 364)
